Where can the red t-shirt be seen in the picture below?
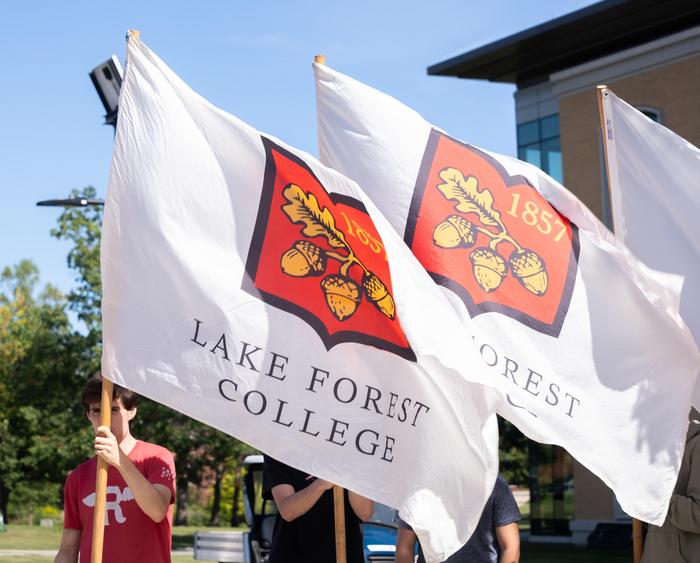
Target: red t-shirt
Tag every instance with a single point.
(130, 535)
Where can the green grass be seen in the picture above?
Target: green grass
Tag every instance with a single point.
(21, 536)
(176, 559)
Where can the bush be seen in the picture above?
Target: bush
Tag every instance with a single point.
(35, 499)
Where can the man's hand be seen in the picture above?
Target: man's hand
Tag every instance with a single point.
(106, 446)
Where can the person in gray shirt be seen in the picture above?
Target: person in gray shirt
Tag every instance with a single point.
(496, 538)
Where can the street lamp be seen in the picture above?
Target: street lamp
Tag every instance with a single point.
(107, 79)
(70, 202)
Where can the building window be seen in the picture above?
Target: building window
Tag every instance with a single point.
(652, 113)
(551, 490)
(538, 144)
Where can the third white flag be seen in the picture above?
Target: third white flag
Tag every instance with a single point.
(582, 338)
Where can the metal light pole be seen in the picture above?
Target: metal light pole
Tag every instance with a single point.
(107, 79)
(70, 202)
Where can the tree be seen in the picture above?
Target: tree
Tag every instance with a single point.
(513, 454)
(41, 358)
(82, 226)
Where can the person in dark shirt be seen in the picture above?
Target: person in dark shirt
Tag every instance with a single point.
(304, 529)
(496, 538)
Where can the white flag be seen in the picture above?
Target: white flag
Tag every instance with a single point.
(257, 291)
(655, 199)
(584, 342)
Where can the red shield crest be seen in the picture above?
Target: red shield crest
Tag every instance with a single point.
(491, 237)
(318, 256)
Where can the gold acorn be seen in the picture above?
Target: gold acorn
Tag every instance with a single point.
(304, 259)
(528, 268)
(454, 231)
(489, 268)
(342, 295)
(378, 294)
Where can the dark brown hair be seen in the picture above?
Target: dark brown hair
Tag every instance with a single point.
(92, 393)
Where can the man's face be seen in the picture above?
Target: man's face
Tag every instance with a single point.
(120, 418)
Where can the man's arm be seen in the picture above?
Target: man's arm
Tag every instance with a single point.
(508, 538)
(154, 500)
(292, 504)
(361, 506)
(405, 545)
(70, 545)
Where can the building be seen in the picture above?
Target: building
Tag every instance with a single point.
(648, 53)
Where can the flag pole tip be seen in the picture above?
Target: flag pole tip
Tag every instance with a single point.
(602, 87)
(135, 33)
(320, 59)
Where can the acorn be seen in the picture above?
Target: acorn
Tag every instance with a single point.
(529, 269)
(378, 294)
(489, 268)
(342, 295)
(304, 259)
(454, 231)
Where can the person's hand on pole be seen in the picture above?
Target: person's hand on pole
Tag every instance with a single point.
(106, 446)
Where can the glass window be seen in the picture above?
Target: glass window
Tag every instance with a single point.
(528, 133)
(531, 154)
(551, 490)
(539, 144)
(651, 113)
(549, 127)
(551, 158)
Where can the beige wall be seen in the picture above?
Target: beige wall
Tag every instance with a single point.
(673, 89)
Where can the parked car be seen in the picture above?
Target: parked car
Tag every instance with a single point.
(379, 532)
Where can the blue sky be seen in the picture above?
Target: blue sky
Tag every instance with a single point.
(252, 59)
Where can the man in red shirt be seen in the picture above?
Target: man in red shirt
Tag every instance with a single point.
(140, 489)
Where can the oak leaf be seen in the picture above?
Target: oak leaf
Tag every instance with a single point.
(470, 200)
(304, 208)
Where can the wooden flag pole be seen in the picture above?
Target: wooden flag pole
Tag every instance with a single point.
(601, 91)
(339, 511)
(98, 521)
(637, 545)
(338, 493)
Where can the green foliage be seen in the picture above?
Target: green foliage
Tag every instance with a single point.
(513, 454)
(227, 485)
(198, 515)
(41, 359)
(82, 227)
(34, 499)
